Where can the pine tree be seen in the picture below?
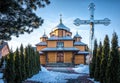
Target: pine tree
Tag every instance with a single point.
(18, 16)
(92, 64)
(35, 55)
(23, 71)
(18, 64)
(38, 61)
(21, 65)
(97, 65)
(10, 69)
(112, 68)
(1, 61)
(118, 79)
(105, 54)
(30, 60)
(108, 70)
(27, 62)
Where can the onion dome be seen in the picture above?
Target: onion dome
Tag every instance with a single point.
(44, 35)
(61, 26)
(77, 35)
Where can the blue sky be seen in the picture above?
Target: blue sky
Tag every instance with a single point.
(70, 10)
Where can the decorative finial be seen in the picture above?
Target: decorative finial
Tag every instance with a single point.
(77, 32)
(60, 18)
(44, 31)
(91, 6)
(44, 35)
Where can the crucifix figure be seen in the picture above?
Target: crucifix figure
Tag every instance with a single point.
(91, 21)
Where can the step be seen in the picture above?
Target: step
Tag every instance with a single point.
(59, 65)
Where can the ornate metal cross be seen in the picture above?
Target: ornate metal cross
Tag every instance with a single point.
(91, 8)
(91, 22)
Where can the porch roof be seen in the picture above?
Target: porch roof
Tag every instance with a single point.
(60, 49)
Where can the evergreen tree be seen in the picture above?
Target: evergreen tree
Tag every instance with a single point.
(37, 62)
(18, 16)
(119, 69)
(23, 71)
(108, 70)
(10, 69)
(30, 60)
(112, 68)
(18, 64)
(27, 62)
(105, 54)
(92, 64)
(21, 65)
(97, 65)
(1, 61)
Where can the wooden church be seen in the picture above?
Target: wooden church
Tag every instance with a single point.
(61, 48)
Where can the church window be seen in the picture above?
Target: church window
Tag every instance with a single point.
(68, 35)
(60, 44)
(53, 35)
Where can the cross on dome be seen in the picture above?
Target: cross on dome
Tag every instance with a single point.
(44, 35)
(77, 35)
(61, 25)
(60, 18)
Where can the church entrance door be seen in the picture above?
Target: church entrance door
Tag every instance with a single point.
(60, 57)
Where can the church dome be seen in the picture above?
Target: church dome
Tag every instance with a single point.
(77, 35)
(61, 26)
(44, 35)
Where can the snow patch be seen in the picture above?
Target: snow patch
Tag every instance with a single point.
(1, 81)
(1, 76)
(88, 59)
(93, 80)
(43, 69)
(46, 76)
(82, 69)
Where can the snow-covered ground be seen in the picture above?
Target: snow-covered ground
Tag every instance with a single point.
(46, 76)
(83, 69)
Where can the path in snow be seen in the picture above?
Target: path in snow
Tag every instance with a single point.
(83, 78)
(80, 74)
